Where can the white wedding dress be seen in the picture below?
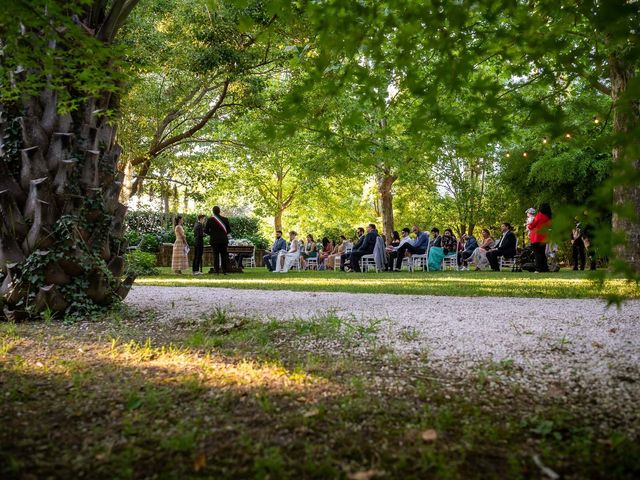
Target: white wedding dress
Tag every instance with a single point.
(290, 258)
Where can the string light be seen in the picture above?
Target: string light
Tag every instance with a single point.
(508, 155)
(544, 140)
(525, 154)
(596, 120)
(567, 135)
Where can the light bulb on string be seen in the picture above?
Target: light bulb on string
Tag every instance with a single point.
(545, 140)
(567, 135)
(596, 120)
(525, 154)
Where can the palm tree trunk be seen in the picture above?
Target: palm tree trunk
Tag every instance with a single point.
(61, 245)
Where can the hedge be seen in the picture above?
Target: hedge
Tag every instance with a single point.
(157, 227)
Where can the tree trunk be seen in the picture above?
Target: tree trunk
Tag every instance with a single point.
(626, 158)
(61, 244)
(61, 240)
(385, 182)
(277, 220)
(165, 201)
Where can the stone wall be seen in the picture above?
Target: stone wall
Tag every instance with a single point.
(166, 250)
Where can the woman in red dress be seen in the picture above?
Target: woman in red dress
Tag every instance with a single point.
(539, 229)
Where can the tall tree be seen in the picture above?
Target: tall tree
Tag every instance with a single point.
(199, 78)
(60, 236)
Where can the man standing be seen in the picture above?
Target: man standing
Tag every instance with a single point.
(345, 256)
(506, 247)
(218, 229)
(270, 258)
(198, 233)
(365, 248)
(419, 247)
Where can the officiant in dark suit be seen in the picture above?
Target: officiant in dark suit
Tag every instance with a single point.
(506, 247)
(218, 229)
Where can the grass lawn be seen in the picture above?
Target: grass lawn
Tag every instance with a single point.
(564, 284)
(129, 397)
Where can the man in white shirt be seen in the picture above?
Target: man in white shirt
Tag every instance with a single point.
(404, 238)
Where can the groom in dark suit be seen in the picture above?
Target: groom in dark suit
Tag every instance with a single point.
(218, 229)
(506, 247)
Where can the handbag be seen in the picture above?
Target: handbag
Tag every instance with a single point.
(186, 249)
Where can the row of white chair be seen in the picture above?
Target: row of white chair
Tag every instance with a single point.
(412, 263)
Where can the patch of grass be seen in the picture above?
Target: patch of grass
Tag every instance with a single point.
(138, 400)
(8, 337)
(564, 284)
(229, 334)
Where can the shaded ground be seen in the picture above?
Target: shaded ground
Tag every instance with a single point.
(228, 397)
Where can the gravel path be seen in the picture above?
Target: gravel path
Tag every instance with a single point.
(556, 346)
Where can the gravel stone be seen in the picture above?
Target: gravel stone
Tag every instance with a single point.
(578, 347)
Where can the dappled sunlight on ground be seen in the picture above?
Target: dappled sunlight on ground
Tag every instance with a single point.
(166, 364)
(565, 284)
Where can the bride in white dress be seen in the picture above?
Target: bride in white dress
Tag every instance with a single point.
(287, 259)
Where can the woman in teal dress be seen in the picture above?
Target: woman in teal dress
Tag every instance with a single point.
(310, 251)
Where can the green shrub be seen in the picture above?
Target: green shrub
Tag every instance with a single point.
(258, 241)
(141, 263)
(150, 243)
(157, 227)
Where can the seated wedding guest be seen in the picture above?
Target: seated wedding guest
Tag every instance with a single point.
(395, 241)
(449, 242)
(344, 258)
(338, 250)
(327, 248)
(270, 258)
(419, 246)
(506, 247)
(287, 258)
(309, 251)
(469, 244)
(436, 239)
(365, 248)
(479, 255)
(392, 250)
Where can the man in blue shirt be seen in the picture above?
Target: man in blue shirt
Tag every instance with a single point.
(470, 244)
(419, 247)
(270, 258)
(365, 248)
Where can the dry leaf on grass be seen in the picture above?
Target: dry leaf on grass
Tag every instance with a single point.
(429, 435)
(200, 462)
(311, 413)
(365, 474)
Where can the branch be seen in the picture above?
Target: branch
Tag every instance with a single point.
(290, 197)
(119, 12)
(156, 177)
(518, 87)
(162, 146)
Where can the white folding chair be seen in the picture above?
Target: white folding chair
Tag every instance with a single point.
(369, 260)
(509, 262)
(418, 261)
(250, 261)
(450, 262)
(312, 263)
